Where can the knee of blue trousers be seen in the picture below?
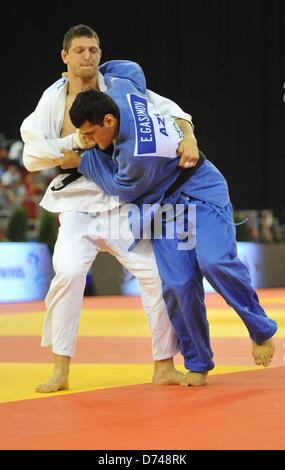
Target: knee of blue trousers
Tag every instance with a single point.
(210, 266)
(180, 296)
(180, 282)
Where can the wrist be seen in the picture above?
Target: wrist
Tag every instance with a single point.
(76, 140)
(190, 137)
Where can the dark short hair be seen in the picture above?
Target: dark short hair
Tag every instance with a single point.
(77, 32)
(92, 106)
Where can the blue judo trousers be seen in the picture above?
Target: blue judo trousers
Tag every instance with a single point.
(141, 170)
(215, 257)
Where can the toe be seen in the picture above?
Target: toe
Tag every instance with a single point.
(258, 361)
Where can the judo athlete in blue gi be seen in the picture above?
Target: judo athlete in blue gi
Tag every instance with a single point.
(142, 168)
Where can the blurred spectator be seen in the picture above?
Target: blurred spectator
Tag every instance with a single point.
(16, 152)
(260, 226)
(17, 186)
(252, 225)
(11, 175)
(266, 226)
(35, 184)
(276, 229)
(3, 146)
(13, 188)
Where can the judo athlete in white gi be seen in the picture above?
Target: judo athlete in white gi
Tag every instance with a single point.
(48, 134)
(144, 171)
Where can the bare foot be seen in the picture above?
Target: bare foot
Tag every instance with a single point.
(165, 373)
(59, 379)
(195, 379)
(168, 378)
(55, 383)
(263, 353)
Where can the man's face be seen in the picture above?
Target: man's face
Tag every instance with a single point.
(83, 57)
(103, 136)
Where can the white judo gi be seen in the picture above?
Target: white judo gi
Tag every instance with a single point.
(85, 211)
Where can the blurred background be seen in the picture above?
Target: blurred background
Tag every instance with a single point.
(222, 61)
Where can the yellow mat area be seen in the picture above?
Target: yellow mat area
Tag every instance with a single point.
(131, 322)
(18, 380)
(271, 300)
(104, 322)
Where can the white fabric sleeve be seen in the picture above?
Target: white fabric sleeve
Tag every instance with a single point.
(40, 150)
(166, 106)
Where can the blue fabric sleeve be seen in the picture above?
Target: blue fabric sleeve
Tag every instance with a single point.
(130, 182)
(124, 69)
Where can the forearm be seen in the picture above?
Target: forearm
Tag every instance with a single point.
(39, 163)
(99, 169)
(40, 153)
(186, 128)
(188, 148)
(126, 179)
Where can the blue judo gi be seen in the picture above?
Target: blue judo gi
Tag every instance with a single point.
(142, 169)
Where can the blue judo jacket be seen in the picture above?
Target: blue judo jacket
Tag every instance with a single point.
(144, 163)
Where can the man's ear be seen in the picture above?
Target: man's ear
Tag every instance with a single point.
(64, 55)
(100, 55)
(109, 120)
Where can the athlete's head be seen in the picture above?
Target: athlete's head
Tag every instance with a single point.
(81, 51)
(97, 116)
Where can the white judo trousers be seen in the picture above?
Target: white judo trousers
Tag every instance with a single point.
(81, 236)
